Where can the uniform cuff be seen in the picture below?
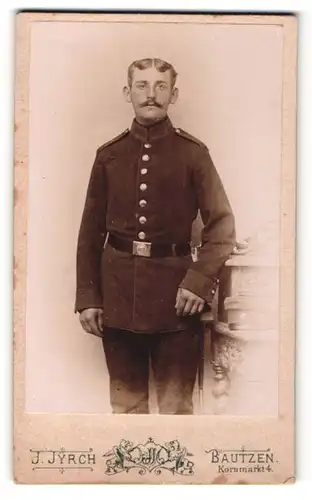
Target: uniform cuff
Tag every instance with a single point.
(199, 284)
(86, 299)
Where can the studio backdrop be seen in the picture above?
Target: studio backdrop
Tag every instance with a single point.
(229, 77)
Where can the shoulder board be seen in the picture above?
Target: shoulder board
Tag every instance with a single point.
(115, 139)
(190, 137)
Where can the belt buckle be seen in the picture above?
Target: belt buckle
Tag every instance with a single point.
(142, 248)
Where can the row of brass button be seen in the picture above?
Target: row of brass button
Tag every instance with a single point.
(143, 187)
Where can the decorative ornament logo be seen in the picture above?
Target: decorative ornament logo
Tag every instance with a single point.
(149, 457)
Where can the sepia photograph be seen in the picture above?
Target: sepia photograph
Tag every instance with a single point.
(154, 247)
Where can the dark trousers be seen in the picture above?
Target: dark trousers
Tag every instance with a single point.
(174, 360)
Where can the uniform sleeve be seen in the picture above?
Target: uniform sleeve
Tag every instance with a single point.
(218, 233)
(91, 240)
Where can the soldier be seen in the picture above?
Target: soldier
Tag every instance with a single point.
(137, 285)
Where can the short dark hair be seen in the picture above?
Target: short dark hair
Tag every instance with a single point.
(159, 64)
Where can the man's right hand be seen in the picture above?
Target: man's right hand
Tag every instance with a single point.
(92, 320)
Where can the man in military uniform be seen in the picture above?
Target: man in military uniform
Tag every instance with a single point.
(137, 284)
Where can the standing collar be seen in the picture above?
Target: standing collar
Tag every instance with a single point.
(155, 131)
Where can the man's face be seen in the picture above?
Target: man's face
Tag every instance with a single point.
(151, 93)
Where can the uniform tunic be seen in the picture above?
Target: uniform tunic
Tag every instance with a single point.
(148, 184)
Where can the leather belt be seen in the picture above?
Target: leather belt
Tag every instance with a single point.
(147, 249)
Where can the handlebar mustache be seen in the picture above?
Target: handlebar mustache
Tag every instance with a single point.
(149, 103)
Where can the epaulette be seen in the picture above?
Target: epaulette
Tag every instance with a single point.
(186, 135)
(115, 139)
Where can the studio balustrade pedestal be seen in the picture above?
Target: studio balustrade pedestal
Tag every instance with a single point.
(243, 331)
